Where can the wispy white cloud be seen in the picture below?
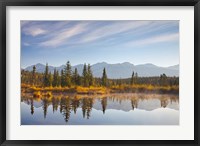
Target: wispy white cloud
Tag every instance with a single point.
(113, 28)
(155, 39)
(34, 31)
(58, 33)
(94, 41)
(26, 44)
(63, 36)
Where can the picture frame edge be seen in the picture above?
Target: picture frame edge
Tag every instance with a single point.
(4, 4)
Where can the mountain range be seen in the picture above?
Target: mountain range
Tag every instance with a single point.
(118, 70)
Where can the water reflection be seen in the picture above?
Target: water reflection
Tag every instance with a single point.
(65, 108)
(32, 107)
(69, 104)
(104, 104)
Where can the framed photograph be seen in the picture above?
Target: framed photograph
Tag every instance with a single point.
(99, 72)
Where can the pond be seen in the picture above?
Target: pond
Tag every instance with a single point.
(111, 109)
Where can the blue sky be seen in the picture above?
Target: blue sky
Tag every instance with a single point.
(137, 42)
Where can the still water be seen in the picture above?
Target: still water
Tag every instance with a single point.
(112, 109)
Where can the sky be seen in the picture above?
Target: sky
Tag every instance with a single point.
(114, 41)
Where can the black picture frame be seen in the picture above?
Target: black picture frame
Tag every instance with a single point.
(5, 3)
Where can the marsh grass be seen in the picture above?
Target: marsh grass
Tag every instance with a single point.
(143, 88)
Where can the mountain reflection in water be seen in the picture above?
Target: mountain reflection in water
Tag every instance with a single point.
(112, 109)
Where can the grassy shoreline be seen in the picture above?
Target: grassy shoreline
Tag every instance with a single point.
(100, 90)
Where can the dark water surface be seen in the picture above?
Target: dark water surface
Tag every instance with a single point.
(112, 109)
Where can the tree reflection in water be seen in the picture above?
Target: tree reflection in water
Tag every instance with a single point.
(32, 107)
(71, 103)
(104, 104)
(46, 102)
(55, 103)
(87, 104)
(164, 102)
(65, 107)
(75, 104)
(134, 103)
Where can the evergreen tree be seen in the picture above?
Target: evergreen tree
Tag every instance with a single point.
(85, 74)
(90, 76)
(132, 78)
(163, 79)
(54, 78)
(62, 78)
(76, 77)
(104, 78)
(46, 76)
(68, 74)
(50, 79)
(34, 75)
(55, 82)
(136, 78)
(59, 79)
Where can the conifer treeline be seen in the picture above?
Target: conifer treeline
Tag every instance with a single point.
(68, 78)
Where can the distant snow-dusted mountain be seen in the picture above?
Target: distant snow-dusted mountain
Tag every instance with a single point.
(175, 67)
(119, 70)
